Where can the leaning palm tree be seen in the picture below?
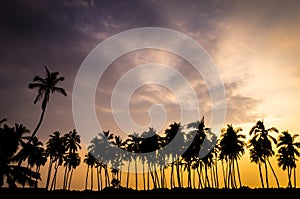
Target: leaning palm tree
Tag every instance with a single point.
(261, 149)
(46, 86)
(287, 155)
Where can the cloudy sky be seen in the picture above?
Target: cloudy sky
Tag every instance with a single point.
(255, 46)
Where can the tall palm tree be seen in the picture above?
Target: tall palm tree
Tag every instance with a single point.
(55, 151)
(90, 160)
(261, 149)
(72, 161)
(134, 143)
(46, 86)
(231, 149)
(72, 144)
(287, 155)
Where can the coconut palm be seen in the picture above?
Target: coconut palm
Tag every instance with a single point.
(72, 144)
(46, 86)
(72, 141)
(261, 149)
(55, 151)
(90, 160)
(33, 152)
(10, 138)
(134, 145)
(231, 149)
(287, 155)
(72, 161)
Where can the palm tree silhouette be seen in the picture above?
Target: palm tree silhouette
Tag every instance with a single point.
(287, 155)
(90, 160)
(34, 153)
(72, 160)
(231, 149)
(10, 139)
(55, 151)
(134, 143)
(46, 86)
(261, 149)
(72, 144)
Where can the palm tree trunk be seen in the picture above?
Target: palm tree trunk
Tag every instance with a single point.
(261, 176)
(53, 184)
(148, 178)
(206, 177)
(153, 179)
(65, 176)
(224, 174)
(200, 179)
(178, 175)
(277, 182)
(92, 177)
(189, 176)
(289, 177)
(233, 174)
(101, 182)
(228, 173)
(98, 178)
(216, 174)
(70, 180)
(212, 176)
(49, 173)
(267, 179)
(38, 125)
(136, 175)
(295, 185)
(127, 183)
(238, 171)
(144, 178)
(171, 175)
(87, 176)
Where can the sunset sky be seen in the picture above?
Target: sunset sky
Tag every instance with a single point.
(255, 46)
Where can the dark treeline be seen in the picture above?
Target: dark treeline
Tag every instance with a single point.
(160, 170)
(110, 158)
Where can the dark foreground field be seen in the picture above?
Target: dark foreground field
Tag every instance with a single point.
(154, 194)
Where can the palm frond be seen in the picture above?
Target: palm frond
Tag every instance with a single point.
(60, 90)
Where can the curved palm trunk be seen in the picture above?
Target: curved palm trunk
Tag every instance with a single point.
(70, 179)
(53, 184)
(267, 179)
(38, 125)
(217, 175)
(49, 173)
(261, 176)
(65, 178)
(277, 182)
